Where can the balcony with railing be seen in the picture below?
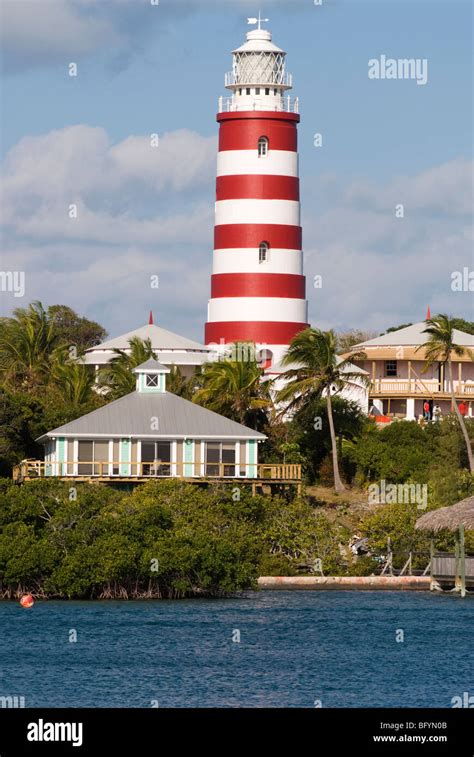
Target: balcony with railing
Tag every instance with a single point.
(259, 79)
(284, 104)
(420, 387)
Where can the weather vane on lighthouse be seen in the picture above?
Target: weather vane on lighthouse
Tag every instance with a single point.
(257, 20)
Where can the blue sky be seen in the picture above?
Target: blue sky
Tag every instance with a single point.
(144, 69)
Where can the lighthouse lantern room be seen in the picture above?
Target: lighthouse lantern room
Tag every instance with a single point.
(257, 284)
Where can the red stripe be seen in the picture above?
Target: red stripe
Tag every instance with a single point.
(257, 187)
(258, 285)
(266, 115)
(280, 236)
(264, 332)
(239, 135)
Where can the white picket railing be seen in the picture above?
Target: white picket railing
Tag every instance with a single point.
(420, 386)
(286, 104)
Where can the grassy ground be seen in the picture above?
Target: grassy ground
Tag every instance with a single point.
(346, 508)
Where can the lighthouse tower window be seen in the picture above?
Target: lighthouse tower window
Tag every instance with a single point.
(263, 252)
(262, 147)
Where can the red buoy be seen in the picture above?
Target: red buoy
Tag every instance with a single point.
(27, 600)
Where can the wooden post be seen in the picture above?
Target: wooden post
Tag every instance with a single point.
(409, 376)
(462, 561)
(373, 373)
(459, 376)
(456, 562)
(431, 565)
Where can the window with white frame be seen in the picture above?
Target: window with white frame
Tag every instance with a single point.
(390, 368)
(93, 458)
(156, 459)
(151, 379)
(263, 252)
(220, 459)
(263, 147)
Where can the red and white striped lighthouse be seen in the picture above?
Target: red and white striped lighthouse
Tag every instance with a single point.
(258, 287)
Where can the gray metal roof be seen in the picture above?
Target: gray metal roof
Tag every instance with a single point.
(413, 336)
(133, 416)
(160, 339)
(151, 366)
(167, 357)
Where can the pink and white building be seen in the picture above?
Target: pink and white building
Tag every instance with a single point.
(400, 381)
(257, 286)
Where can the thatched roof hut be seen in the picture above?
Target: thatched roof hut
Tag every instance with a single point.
(452, 517)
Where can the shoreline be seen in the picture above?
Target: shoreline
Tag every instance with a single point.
(275, 583)
(364, 583)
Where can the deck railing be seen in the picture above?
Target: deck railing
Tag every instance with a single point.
(31, 469)
(285, 104)
(419, 386)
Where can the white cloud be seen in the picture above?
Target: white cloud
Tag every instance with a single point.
(41, 31)
(446, 188)
(140, 211)
(44, 175)
(36, 33)
(379, 270)
(144, 211)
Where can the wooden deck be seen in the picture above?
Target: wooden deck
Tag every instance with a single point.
(446, 570)
(256, 475)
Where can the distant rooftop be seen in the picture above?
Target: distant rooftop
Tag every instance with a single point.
(161, 339)
(412, 336)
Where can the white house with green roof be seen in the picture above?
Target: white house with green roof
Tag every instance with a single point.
(150, 433)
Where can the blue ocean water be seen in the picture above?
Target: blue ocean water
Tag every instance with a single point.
(295, 648)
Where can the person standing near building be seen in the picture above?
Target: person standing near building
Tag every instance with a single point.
(426, 410)
(437, 414)
(463, 408)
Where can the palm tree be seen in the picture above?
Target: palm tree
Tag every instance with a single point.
(74, 381)
(178, 384)
(27, 341)
(439, 347)
(318, 372)
(234, 388)
(116, 378)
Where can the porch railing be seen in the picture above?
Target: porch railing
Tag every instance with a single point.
(421, 387)
(31, 469)
(285, 104)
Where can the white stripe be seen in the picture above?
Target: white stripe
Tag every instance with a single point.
(285, 212)
(283, 309)
(245, 260)
(242, 162)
